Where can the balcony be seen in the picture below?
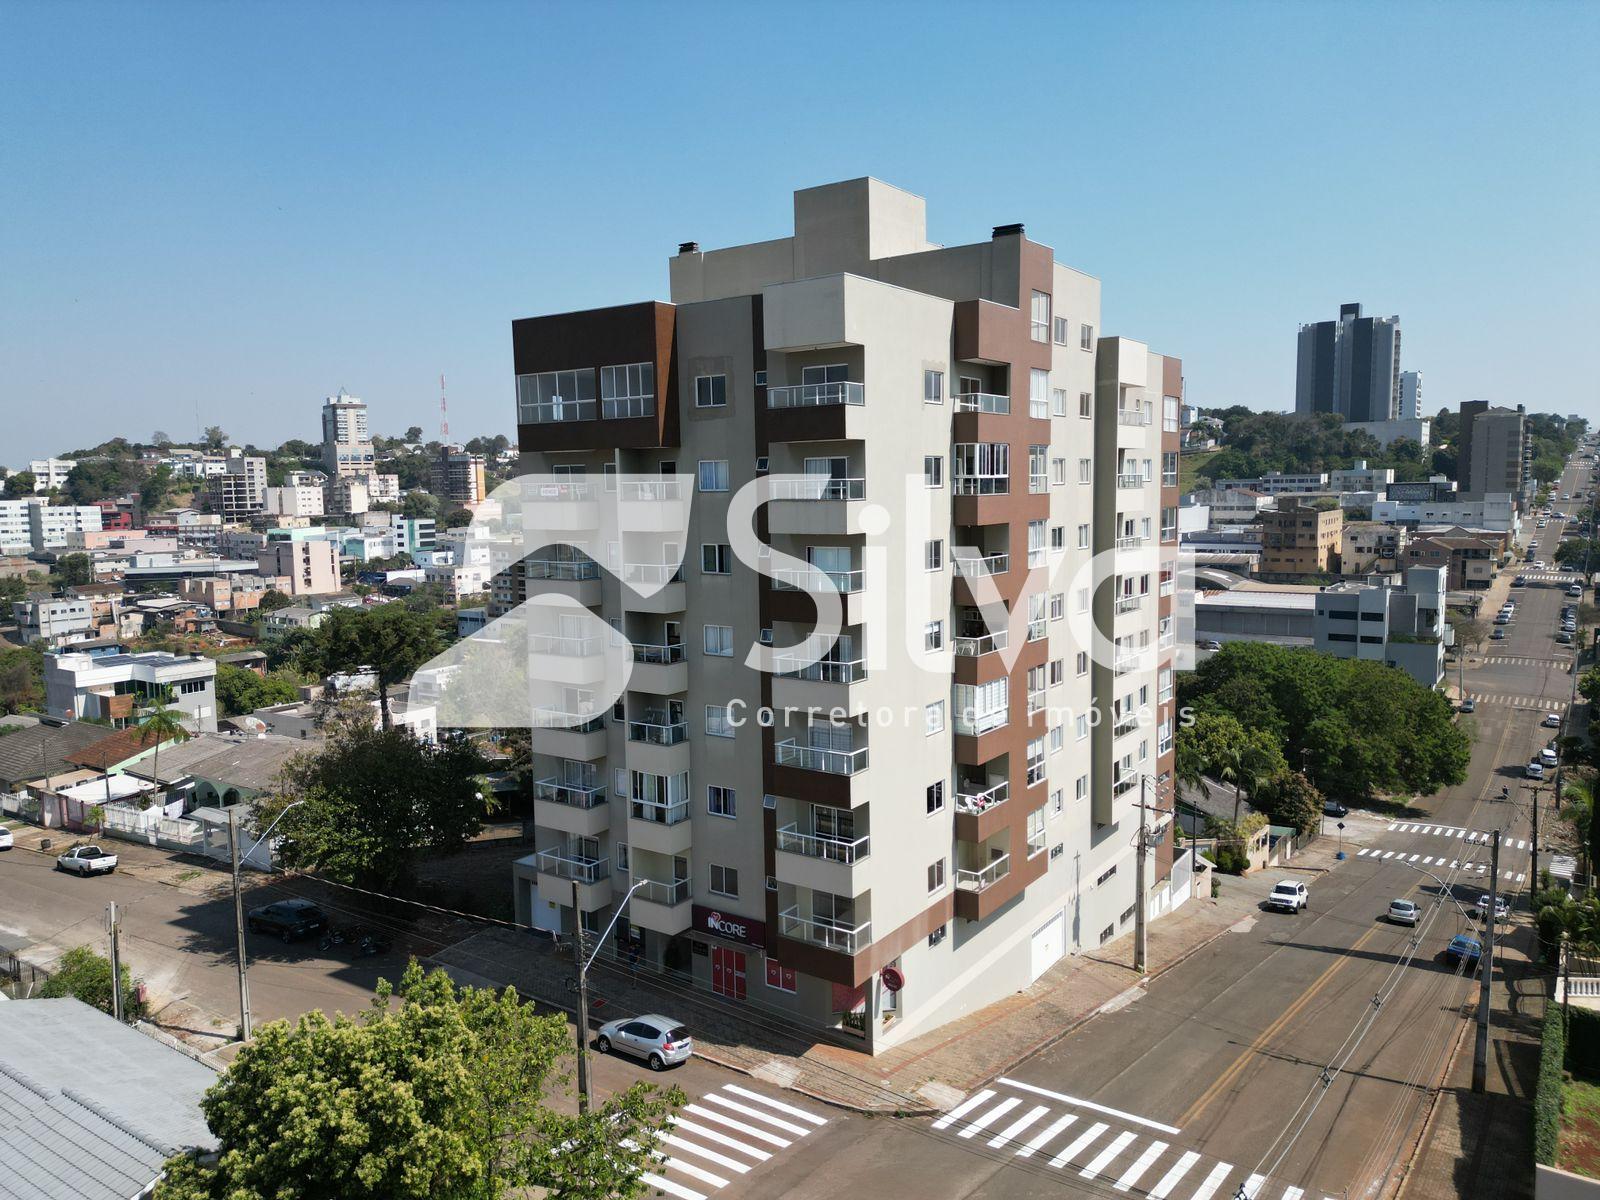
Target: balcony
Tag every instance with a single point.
(659, 667)
(790, 753)
(820, 862)
(814, 579)
(817, 504)
(1125, 726)
(571, 659)
(1130, 480)
(985, 878)
(652, 505)
(981, 485)
(660, 827)
(823, 685)
(819, 487)
(572, 809)
(793, 840)
(651, 733)
(560, 507)
(558, 870)
(983, 402)
(580, 736)
(978, 568)
(1131, 541)
(817, 395)
(979, 892)
(980, 809)
(1123, 663)
(970, 724)
(1128, 604)
(1132, 416)
(1123, 786)
(976, 647)
(653, 587)
(661, 905)
(829, 935)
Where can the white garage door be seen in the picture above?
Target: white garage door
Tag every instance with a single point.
(1049, 940)
(545, 913)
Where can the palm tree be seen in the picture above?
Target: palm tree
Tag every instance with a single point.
(163, 725)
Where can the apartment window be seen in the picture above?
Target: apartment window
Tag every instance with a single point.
(1085, 470)
(1085, 404)
(628, 391)
(1106, 875)
(1169, 468)
(1058, 402)
(1058, 537)
(1058, 738)
(608, 473)
(1058, 671)
(1041, 316)
(1058, 802)
(1080, 787)
(1169, 524)
(1035, 832)
(933, 555)
(724, 881)
(1081, 727)
(556, 396)
(715, 559)
(1083, 537)
(1083, 599)
(1058, 471)
(1063, 331)
(761, 379)
(933, 470)
(718, 640)
(713, 474)
(718, 723)
(1058, 605)
(761, 464)
(1038, 479)
(1035, 543)
(1035, 752)
(1038, 393)
(933, 635)
(1169, 414)
(936, 936)
(936, 875)
(1086, 337)
(711, 391)
(622, 857)
(933, 718)
(935, 797)
(933, 387)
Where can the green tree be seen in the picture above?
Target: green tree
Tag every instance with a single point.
(75, 569)
(20, 485)
(374, 800)
(102, 478)
(1469, 633)
(156, 488)
(419, 504)
(441, 1096)
(457, 518)
(215, 439)
(241, 691)
(87, 976)
(390, 639)
(272, 600)
(413, 433)
(21, 678)
(161, 724)
(1291, 799)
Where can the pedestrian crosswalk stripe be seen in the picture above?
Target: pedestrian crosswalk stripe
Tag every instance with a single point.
(1174, 1176)
(670, 1188)
(1414, 858)
(758, 1115)
(699, 1151)
(1044, 1138)
(1389, 855)
(1011, 1131)
(689, 1169)
(1140, 1165)
(1293, 1193)
(990, 1117)
(720, 1139)
(760, 1135)
(791, 1109)
(1103, 1160)
(1083, 1140)
(1212, 1181)
(962, 1109)
(1252, 1186)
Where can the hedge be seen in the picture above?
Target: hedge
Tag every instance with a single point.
(1547, 1097)
(1583, 1042)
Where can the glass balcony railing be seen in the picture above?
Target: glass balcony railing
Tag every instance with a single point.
(976, 647)
(652, 572)
(970, 724)
(659, 812)
(663, 653)
(992, 564)
(986, 877)
(791, 753)
(649, 490)
(562, 569)
(821, 487)
(555, 718)
(554, 412)
(816, 395)
(571, 794)
(652, 733)
(974, 802)
(1128, 604)
(660, 891)
(829, 934)
(793, 840)
(566, 864)
(983, 402)
(615, 408)
(981, 485)
(798, 579)
(1132, 416)
(563, 646)
(826, 670)
(1131, 479)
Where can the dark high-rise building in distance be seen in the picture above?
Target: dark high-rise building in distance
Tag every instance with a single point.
(1350, 366)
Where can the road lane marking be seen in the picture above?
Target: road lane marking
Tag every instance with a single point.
(719, 1138)
(1140, 1166)
(1293, 1193)
(757, 1114)
(777, 1104)
(761, 1135)
(962, 1109)
(1043, 1139)
(1252, 1186)
(1078, 1146)
(1174, 1176)
(1212, 1181)
(1090, 1104)
(1414, 858)
(670, 1188)
(1013, 1130)
(722, 1160)
(989, 1118)
(673, 1164)
(1363, 852)
(1388, 855)
(1103, 1160)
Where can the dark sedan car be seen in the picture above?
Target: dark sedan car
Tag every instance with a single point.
(289, 919)
(1333, 808)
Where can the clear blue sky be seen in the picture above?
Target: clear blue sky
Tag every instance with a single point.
(221, 213)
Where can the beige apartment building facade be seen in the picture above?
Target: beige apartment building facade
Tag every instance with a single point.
(946, 437)
(1300, 538)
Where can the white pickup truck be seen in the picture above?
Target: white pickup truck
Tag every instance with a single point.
(87, 860)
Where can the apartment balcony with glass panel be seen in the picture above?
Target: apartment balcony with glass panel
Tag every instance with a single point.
(826, 498)
(827, 920)
(571, 798)
(569, 730)
(811, 396)
(653, 505)
(982, 870)
(983, 564)
(982, 798)
(831, 567)
(822, 677)
(657, 737)
(664, 899)
(579, 860)
(980, 401)
(568, 653)
(571, 506)
(818, 846)
(660, 659)
(658, 813)
(980, 716)
(653, 582)
(821, 762)
(564, 573)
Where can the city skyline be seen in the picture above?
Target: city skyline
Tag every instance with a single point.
(326, 205)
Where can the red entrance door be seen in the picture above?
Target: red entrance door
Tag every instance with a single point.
(727, 972)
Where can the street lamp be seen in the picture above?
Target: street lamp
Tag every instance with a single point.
(583, 981)
(238, 907)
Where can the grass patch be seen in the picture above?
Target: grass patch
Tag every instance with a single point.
(186, 876)
(1579, 1150)
(1190, 465)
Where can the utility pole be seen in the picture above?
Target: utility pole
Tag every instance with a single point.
(579, 965)
(1141, 947)
(116, 961)
(238, 926)
(1533, 846)
(1480, 1051)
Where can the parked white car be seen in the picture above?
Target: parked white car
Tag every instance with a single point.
(6, 840)
(87, 860)
(1289, 895)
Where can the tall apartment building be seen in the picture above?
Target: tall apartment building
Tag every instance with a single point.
(1300, 539)
(1350, 366)
(346, 444)
(962, 437)
(51, 526)
(1494, 452)
(310, 565)
(458, 476)
(1410, 396)
(297, 500)
(50, 473)
(240, 491)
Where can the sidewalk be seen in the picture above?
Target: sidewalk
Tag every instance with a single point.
(926, 1072)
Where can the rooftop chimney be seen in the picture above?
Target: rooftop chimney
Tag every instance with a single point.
(1013, 230)
(688, 247)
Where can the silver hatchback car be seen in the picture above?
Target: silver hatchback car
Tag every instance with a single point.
(660, 1041)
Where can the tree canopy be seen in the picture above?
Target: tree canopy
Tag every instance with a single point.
(240, 691)
(391, 639)
(442, 1096)
(82, 973)
(1364, 727)
(374, 800)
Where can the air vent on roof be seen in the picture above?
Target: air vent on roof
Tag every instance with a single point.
(688, 247)
(1008, 230)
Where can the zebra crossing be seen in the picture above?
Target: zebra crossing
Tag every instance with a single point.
(1123, 1150)
(1542, 703)
(722, 1136)
(1549, 576)
(1472, 836)
(1442, 862)
(1512, 661)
